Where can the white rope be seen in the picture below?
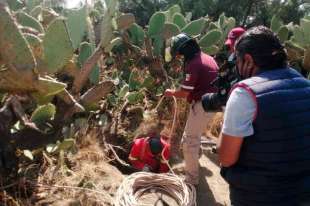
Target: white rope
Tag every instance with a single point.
(135, 186)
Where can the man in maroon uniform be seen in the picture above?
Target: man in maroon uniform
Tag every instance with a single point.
(200, 70)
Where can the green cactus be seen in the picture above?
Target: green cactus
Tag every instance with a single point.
(15, 5)
(229, 24)
(149, 83)
(212, 26)
(107, 24)
(77, 25)
(179, 20)
(48, 87)
(305, 25)
(172, 11)
(156, 24)
(136, 34)
(158, 44)
(276, 23)
(134, 81)
(35, 44)
(211, 38)
(41, 99)
(211, 50)
(57, 46)
(195, 27)
(36, 11)
(106, 30)
(115, 42)
(298, 36)
(301, 34)
(14, 48)
(85, 51)
(221, 21)
(47, 16)
(123, 91)
(26, 20)
(125, 21)
(170, 30)
(112, 6)
(31, 4)
(90, 31)
(43, 113)
(134, 97)
(299, 45)
(283, 33)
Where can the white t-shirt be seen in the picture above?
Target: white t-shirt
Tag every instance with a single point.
(239, 114)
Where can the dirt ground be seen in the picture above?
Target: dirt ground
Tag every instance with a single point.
(212, 189)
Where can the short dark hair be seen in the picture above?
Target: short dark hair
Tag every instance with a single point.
(264, 46)
(189, 50)
(155, 145)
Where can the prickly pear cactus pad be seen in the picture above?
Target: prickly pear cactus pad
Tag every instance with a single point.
(49, 86)
(136, 34)
(179, 20)
(170, 30)
(57, 46)
(156, 24)
(85, 51)
(211, 38)
(77, 25)
(29, 21)
(195, 27)
(14, 48)
(43, 113)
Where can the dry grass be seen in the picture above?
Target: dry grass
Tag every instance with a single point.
(85, 178)
(214, 128)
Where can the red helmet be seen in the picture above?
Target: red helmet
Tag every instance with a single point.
(233, 35)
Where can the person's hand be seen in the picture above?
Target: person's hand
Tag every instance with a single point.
(169, 93)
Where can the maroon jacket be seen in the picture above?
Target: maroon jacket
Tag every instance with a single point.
(141, 155)
(199, 73)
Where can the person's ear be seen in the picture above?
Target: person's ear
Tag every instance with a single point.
(249, 64)
(249, 59)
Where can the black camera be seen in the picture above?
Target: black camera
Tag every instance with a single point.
(227, 77)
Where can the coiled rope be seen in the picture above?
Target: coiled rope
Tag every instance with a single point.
(136, 185)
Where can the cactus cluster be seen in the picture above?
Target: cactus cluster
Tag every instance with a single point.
(296, 39)
(165, 24)
(37, 44)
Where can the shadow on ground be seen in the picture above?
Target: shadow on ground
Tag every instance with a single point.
(205, 196)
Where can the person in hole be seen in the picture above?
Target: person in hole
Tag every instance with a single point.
(150, 154)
